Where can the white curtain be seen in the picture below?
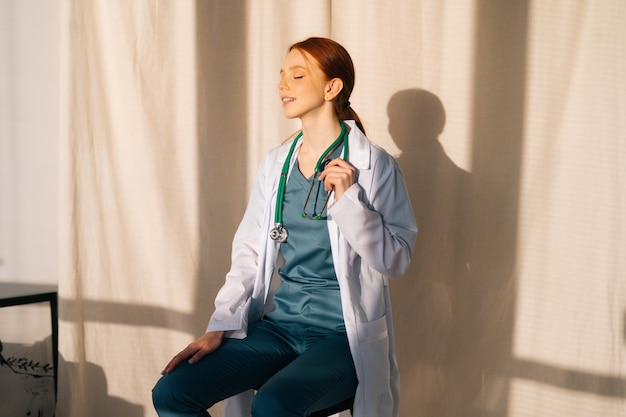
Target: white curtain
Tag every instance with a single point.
(508, 119)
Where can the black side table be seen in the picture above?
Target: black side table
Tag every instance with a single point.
(13, 294)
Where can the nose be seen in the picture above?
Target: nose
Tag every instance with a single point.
(282, 85)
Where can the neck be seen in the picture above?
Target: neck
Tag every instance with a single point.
(317, 137)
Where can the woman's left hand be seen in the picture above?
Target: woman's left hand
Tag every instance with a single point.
(338, 175)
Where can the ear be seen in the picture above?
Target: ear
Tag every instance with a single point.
(333, 87)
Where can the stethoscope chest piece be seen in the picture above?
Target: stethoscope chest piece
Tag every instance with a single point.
(279, 233)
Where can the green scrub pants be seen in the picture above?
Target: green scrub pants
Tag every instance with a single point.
(297, 371)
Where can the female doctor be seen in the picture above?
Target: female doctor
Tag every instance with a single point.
(335, 207)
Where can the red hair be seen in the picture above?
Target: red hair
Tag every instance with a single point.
(335, 62)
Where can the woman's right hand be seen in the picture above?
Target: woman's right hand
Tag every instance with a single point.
(205, 344)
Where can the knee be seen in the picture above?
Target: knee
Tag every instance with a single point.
(162, 397)
(167, 400)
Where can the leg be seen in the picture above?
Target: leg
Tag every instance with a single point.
(238, 365)
(320, 377)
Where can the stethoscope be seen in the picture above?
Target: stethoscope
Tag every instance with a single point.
(279, 232)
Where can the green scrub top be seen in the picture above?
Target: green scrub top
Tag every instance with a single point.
(309, 292)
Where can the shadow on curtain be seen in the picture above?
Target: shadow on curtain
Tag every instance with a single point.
(222, 136)
(454, 310)
(98, 396)
(460, 289)
(221, 194)
(435, 346)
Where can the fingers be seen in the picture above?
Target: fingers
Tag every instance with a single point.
(178, 359)
(200, 354)
(195, 351)
(338, 175)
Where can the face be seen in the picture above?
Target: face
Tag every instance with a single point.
(302, 86)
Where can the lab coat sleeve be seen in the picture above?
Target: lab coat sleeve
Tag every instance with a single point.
(375, 216)
(233, 299)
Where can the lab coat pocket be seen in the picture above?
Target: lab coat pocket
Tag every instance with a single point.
(374, 354)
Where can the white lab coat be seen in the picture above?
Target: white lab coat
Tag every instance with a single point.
(372, 232)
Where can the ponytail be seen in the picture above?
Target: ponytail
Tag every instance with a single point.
(348, 113)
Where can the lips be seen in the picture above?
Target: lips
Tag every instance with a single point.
(287, 100)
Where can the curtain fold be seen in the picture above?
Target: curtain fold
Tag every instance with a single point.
(128, 288)
(507, 120)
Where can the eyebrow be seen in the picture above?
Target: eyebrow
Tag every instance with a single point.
(282, 71)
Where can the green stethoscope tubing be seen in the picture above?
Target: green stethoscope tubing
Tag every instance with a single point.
(278, 215)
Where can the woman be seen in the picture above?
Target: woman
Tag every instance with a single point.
(335, 207)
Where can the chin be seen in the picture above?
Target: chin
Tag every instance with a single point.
(291, 115)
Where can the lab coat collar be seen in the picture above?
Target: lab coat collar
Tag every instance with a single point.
(359, 147)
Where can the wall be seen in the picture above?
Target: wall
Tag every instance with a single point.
(29, 140)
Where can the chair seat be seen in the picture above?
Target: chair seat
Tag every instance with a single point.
(337, 408)
(334, 409)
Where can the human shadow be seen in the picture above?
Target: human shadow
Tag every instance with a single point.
(87, 381)
(443, 338)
